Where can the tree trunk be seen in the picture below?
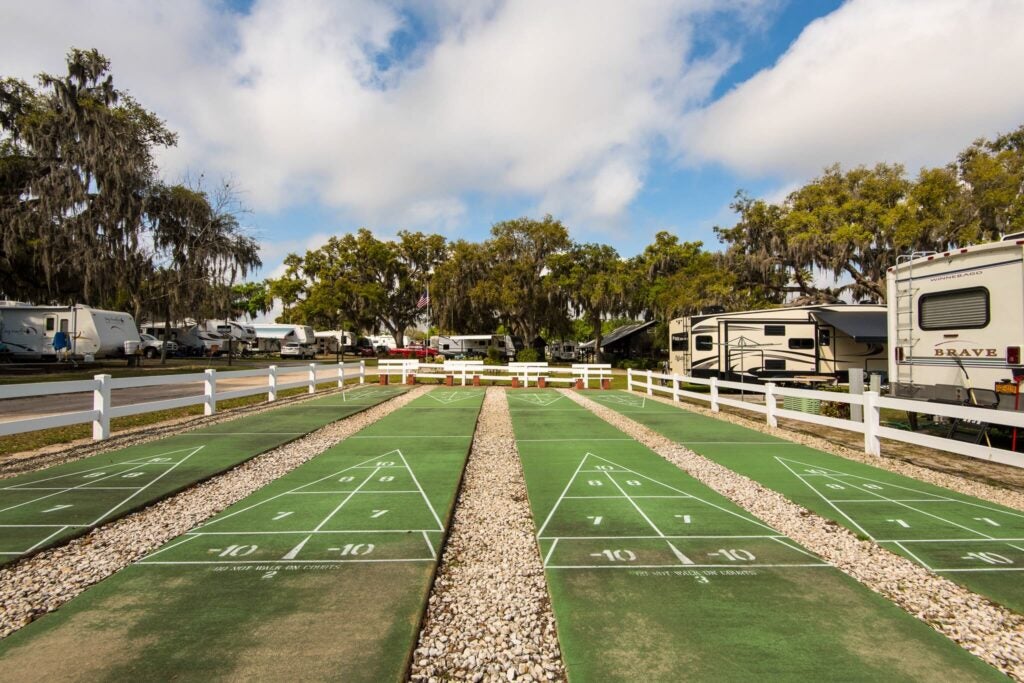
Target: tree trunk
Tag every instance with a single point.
(167, 331)
(598, 354)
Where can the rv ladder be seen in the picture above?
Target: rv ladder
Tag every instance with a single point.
(905, 339)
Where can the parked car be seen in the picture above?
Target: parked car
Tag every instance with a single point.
(151, 346)
(298, 350)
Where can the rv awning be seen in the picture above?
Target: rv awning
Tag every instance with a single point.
(618, 334)
(864, 326)
(274, 334)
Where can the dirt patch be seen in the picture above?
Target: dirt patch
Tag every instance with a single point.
(111, 642)
(351, 631)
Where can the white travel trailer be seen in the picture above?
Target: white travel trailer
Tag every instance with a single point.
(781, 343)
(382, 340)
(563, 351)
(333, 341)
(473, 345)
(243, 334)
(27, 332)
(957, 324)
(270, 337)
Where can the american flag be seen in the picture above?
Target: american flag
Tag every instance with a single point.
(424, 301)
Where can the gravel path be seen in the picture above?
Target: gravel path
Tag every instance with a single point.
(47, 580)
(489, 617)
(14, 464)
(994, 494)
(989, 631)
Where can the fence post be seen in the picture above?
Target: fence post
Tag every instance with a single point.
(586, 376)
(856, 388)
(404, 371)
(341, 375)
(101, 404)
(872, 446)
(769, 403)
(629, 379)
(312, 378)
(210, 392)
(714, 394)
(272, 383)
(650, 383)
(675, 387)
(362, 372)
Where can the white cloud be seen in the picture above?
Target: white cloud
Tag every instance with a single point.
(912, 81)
(503, 99)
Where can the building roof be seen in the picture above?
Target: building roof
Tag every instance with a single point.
(619, 333)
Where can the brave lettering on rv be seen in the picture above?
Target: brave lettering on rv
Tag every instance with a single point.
(976, 353)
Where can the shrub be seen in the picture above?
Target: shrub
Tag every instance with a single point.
(528, 356)
(494, 356)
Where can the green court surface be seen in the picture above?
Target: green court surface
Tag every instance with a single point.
(971, 541)
(323, 574)
(50, 506)
(653, 576)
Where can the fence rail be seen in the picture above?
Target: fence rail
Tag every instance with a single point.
(871, 405)
(465, 371)
(104, 410)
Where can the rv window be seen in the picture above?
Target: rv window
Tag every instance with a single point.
(801, 343)
(680, 341)
(50, 324)
(774, 364)
(64, 326)
(954, 310)
(824, 337)
(444, 347)
(702, 342)
(775, 330)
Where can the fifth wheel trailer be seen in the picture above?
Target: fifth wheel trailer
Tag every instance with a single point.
(781, 343)
(956, 321)
(27, 332)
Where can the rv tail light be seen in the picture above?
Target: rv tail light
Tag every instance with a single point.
(899, 354)
(1013, 355)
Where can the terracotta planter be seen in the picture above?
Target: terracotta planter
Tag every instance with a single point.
(410, 379)
(606, 383)
(515, 382)
(476, 380)
(449, 380)
(542, 382)
(383, 379)
(579, 383)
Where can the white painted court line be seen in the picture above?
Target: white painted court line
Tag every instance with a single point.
(635, 505)
(731, 443)
(311, 531)
(165, 473)
(143, 460)
(433, 552)
(551, 549)
(688, 566)
(42, 542)
(334, 493)
(426, 500)
(657, 538)
(1005, 541)
(320, 526)
(72, 488)
(886, 499)
(414, 436)
(448, 397)
(205, 434)
(583, 438)
(212, 562)
(915, 557)
(558, 502)
(824, 498)
(792, 545)
(63, 488)
(680, 497)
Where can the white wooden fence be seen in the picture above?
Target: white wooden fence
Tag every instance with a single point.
(103, 409)
(871, 402)
(526, 373)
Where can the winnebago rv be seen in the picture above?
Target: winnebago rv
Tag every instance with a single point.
(957, 324)
(780, 343)
(27, 332)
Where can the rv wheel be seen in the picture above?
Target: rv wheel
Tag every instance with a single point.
(151, 353)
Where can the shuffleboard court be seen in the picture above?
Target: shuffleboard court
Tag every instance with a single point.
(323, 574)
(53, 505)
(971, 541)
(653, 576)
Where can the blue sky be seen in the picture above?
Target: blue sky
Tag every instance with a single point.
(619, 118)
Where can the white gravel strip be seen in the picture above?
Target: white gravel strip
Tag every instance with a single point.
(970, 487)
(13, 464)
(489, 617)
(47, 580)
(991, 632)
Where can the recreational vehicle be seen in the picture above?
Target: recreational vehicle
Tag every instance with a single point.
(333, 341)
(385, 340)
(562, 351)
(242, 334)
(192, 339)
(271, 336)
(957, 323)
(28, 332)
(781, 343)
(472, 345)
